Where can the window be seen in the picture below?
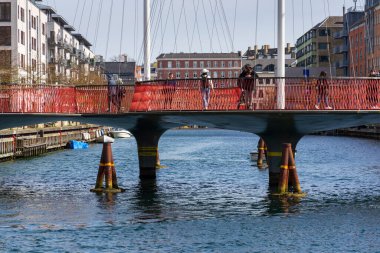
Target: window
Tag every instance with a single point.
(201, 64)
(195, 75)
(230, 74)
(177, 64)
(43, 68)
(22, 14)
(34, 44)
(322, 46)
(208, 64)
(160, 64)
(186, 64)
(215, 74)
(178, 75)
(5, 58)
(323, 58)
(236, 74)
(22, 61)
(324, 32)
(223, 64)
(215, 64)
(222, 75)
(236, 64)
(187, 75)
(43, 49)
(169, 64)
(5, 12)
(22, 37)
(195, 64)
(44, 29)
(5, 38)
(34, 65)
(230, 64)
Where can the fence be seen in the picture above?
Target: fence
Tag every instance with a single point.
(186, 95)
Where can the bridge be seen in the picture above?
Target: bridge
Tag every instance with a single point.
(150, 108)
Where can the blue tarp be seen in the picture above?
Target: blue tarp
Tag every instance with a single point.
(77, 145)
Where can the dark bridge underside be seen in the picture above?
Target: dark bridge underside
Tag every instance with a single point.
(262, 122)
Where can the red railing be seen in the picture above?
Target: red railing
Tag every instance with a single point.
(228, 94)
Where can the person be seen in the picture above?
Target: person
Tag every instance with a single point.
(322, 91)
(247, 81)
(206, 87)
(372, 90)
(116, 92)
(169, 91)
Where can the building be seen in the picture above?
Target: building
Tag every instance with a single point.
(23, 49)
(38, 46)
(350, 42)
(356, 54)
(190, 65)
(69, 53)
(315, 47)
(264, 60)
(124, 70)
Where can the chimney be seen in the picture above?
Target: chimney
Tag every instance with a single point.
(249, 48)
(266, 49)
(288, 48)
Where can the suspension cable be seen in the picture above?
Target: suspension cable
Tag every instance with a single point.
(109, 29)
(97, 23)
(121, 34)
(327, 38)
(196, 25)
(89, 18)
(233, 33)
(81, 17)
(76, 11)
(214, 24)
(222, 27)
(257, 18)
(226, 24)
(208, 29)
(187, 28)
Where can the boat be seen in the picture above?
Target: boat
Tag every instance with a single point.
(120, 133)
(104, 139)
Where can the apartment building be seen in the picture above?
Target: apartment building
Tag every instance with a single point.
(23, 49)
(190, 65)
(315, 47)
(39, 46)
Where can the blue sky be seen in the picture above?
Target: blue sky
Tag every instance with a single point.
(176, 29)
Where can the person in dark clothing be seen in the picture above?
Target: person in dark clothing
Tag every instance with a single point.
(169, 91)
(322, 91)
(372, 90)
(206, 87)
(247, 83)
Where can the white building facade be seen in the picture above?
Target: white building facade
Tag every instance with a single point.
(38, 46)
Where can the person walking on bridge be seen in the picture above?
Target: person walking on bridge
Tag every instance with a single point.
(322, 91)
(247, 84)
(206, 87)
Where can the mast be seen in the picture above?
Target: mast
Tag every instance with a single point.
(281, 55)
(147, 39)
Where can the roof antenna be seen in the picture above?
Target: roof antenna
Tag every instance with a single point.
(355, 1)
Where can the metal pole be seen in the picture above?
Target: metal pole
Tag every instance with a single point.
(147, 39)
(281, 56)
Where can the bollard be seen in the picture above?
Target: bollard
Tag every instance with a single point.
(294, 182)
(284, 176)
(107, 171)
(261, 153)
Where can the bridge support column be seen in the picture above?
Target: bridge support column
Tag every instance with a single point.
(147, 144)
(274, 157)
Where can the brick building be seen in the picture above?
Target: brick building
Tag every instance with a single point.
(357, 54)
(190, 65)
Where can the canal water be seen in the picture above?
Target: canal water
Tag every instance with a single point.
(209, 198)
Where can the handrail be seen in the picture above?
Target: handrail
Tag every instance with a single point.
(227, 94)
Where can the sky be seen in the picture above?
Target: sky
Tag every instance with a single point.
(115, 27)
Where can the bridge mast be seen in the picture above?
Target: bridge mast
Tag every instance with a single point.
(147, 39)
(281, 56)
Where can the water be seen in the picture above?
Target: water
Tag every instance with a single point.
(210, 198)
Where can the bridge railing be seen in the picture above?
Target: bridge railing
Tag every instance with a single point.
(186, 95)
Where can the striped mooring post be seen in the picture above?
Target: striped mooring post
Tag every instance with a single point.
(260, 153)
(107, 172)
(289, 181)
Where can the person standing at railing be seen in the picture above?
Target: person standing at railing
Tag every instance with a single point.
(206, 87)
(169, 91)
(111, 90)
(246, 82)
(372, 90)
(322, 91)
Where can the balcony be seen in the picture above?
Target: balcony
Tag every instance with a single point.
(340, 49)
(340, 34)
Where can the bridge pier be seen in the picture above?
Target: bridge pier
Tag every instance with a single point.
(147, 145)
(274, 156)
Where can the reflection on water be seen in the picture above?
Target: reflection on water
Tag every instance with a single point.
(209, 198)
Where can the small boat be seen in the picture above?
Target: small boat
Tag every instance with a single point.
(104, 139)
(120, 133)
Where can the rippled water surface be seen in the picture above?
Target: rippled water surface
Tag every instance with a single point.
(209, 198)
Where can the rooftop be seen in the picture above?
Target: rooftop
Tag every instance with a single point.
(199, 56)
